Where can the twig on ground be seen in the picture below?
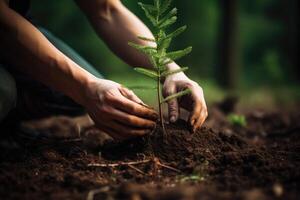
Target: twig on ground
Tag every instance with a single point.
(158, 163)
(155, 161)
(168, 167)
(118, 164)
(137, 169)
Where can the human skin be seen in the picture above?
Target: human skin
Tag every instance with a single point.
(111, 106)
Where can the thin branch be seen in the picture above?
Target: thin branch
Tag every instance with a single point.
(118, 164)
(168, 167)
(137, 169)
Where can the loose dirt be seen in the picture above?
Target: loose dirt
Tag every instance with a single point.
(220, 161)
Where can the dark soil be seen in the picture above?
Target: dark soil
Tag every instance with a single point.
(220, 161)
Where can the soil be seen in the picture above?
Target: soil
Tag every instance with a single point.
(219, 161)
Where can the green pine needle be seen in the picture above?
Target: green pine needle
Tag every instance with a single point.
(146, 39)
(172, 13)
(175, 55)
(177, 32)
(165, 6)
(177, 95)
(147, 72)
(168, 22)
(144, 49)
(148, 14)
(142, 87)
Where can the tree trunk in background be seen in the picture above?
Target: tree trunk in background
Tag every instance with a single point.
(228, 68)
(293, 37)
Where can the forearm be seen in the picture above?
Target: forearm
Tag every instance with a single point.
(26, 49)
(117, 26)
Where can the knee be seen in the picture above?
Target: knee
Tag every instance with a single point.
(8, 93)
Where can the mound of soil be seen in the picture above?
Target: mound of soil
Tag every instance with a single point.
(178, 146)
(220, 161)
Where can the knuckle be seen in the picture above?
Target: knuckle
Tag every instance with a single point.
(108, 96)
(190, 85)
(106, 109)
(130, 120)
(168, 90)
(133, 109)
(173, 109)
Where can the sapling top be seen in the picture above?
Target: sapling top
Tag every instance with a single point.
(161, 18)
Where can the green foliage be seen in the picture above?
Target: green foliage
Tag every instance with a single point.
(158, 55)
(191, 178)
(237, 120)
(147, 72)
(177, 95)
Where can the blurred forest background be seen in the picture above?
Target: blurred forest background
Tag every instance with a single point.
(245, 47)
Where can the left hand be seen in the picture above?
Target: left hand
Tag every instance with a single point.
(194, 102)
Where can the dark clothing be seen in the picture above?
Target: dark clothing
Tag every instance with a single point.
(33, 99)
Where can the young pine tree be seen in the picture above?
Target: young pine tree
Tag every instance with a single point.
(161, 18)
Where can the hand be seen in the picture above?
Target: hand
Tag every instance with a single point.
(118, 111)
(194, 102)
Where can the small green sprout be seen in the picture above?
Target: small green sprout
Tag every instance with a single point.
(161, 18)
(237, 120)
(191, 178)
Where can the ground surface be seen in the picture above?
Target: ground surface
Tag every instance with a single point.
(220, 161)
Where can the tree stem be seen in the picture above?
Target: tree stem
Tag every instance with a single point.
(159, 105)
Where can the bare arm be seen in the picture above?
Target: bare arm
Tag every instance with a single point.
(111, 106)
(117, 26)
(26, 48)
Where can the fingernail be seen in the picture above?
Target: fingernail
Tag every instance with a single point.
(193, 122)
(172, 119)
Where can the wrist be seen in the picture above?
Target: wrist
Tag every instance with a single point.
(180, 75)
(76, 82)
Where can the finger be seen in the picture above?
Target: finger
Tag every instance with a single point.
(128, 119)
(131, 96)
(128, 131)
(195, 114)
(134, 108)
(173, 110)
(112, 133)
(201, 119)
(173, 107)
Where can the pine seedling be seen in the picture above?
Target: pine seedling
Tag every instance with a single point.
(161, 17)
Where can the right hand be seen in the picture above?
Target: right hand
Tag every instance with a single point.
(117, 111)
